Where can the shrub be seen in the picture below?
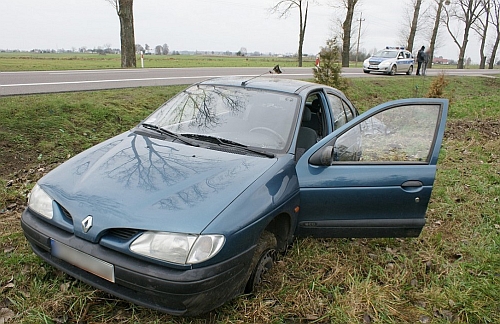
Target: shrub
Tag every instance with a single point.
(436, 88)
(329, 69)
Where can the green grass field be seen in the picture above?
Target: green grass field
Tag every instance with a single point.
(449, 274)
(76, 61)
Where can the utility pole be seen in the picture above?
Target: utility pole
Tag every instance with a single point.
(359, 35)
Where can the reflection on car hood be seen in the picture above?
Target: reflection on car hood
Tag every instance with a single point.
(133, 181)
(380, 59)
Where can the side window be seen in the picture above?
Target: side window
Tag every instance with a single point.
(400, 134)
(348, 112)
(408, 55)
(338, 113)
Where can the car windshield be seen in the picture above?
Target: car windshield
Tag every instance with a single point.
(386, 54)
(254, 118)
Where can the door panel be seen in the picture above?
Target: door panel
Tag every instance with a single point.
(380, 178)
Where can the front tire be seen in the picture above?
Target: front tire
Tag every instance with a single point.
(393, 70)
(262, 261)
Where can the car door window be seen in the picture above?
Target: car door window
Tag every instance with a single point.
(348, 111)
(337, 109)
(401, 134)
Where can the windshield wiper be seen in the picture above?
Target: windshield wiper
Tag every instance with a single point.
(226, 142)
(163, 131)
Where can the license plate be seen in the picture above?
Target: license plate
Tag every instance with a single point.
(83, 261)
(373, 66)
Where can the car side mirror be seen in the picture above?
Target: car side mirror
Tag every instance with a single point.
(323, 156)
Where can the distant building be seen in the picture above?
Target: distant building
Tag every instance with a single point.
(440, 60)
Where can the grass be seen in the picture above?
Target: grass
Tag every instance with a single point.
(76, 61)
(450, 273)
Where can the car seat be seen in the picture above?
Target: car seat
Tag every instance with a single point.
(307, 136)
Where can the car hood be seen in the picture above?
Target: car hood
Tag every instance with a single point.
(138, 182)
(380, 59)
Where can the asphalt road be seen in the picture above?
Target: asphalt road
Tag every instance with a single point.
(18, 83)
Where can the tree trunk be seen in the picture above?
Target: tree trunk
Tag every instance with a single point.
(127, 38)
(302, 33)
(495, 21)
(484, 25)
(461, 54)
(435, 33)
(413, 27)
(347, 29)
(494, 51)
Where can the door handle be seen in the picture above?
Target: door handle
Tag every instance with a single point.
(412, 183)
(412, 186)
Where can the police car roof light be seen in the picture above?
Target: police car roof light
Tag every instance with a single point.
(395, 47)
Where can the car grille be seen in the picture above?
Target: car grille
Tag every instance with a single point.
(374, 62)
(121, 233)
(66, 213)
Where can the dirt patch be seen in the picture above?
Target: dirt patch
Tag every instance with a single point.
(13, 158)
(465, 129)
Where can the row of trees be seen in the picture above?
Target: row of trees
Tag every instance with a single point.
(471, 16)
(158, 50)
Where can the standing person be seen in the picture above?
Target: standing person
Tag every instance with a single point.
(420, 58)
(427, 55)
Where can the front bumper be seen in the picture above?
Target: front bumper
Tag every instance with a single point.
(373, 68)
(185, 292)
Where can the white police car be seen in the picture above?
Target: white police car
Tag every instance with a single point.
(390, 60)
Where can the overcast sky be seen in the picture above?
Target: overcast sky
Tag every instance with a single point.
(203, 25)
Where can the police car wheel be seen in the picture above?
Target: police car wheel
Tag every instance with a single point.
(393, 70)
(410, 70)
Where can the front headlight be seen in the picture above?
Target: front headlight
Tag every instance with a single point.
(40, 202)
(178, 248)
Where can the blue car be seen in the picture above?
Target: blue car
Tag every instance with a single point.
(190, 208)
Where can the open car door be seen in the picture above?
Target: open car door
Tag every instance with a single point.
(373, 177)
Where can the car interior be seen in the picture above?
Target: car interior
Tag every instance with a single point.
(312, 125)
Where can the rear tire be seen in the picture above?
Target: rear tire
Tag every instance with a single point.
(410, 70)
(262, 261)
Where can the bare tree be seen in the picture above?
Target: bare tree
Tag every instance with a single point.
(283, 8)
(465, 12)
(349, 6)
(495, 21)
(413, 20)
(124, 9)
(437, 20)
(414, 24)
(481, 28)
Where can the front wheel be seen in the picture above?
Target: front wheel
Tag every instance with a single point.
(393, 70)
(262, 261)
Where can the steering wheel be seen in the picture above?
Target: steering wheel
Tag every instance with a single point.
(269, 130)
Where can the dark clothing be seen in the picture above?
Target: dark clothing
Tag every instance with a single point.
(420, 59)
(426, 61)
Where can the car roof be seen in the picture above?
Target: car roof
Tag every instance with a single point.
(263, 83)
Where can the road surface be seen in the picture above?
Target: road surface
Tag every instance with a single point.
(18, 83)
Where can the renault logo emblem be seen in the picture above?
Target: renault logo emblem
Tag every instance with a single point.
(87, 224)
